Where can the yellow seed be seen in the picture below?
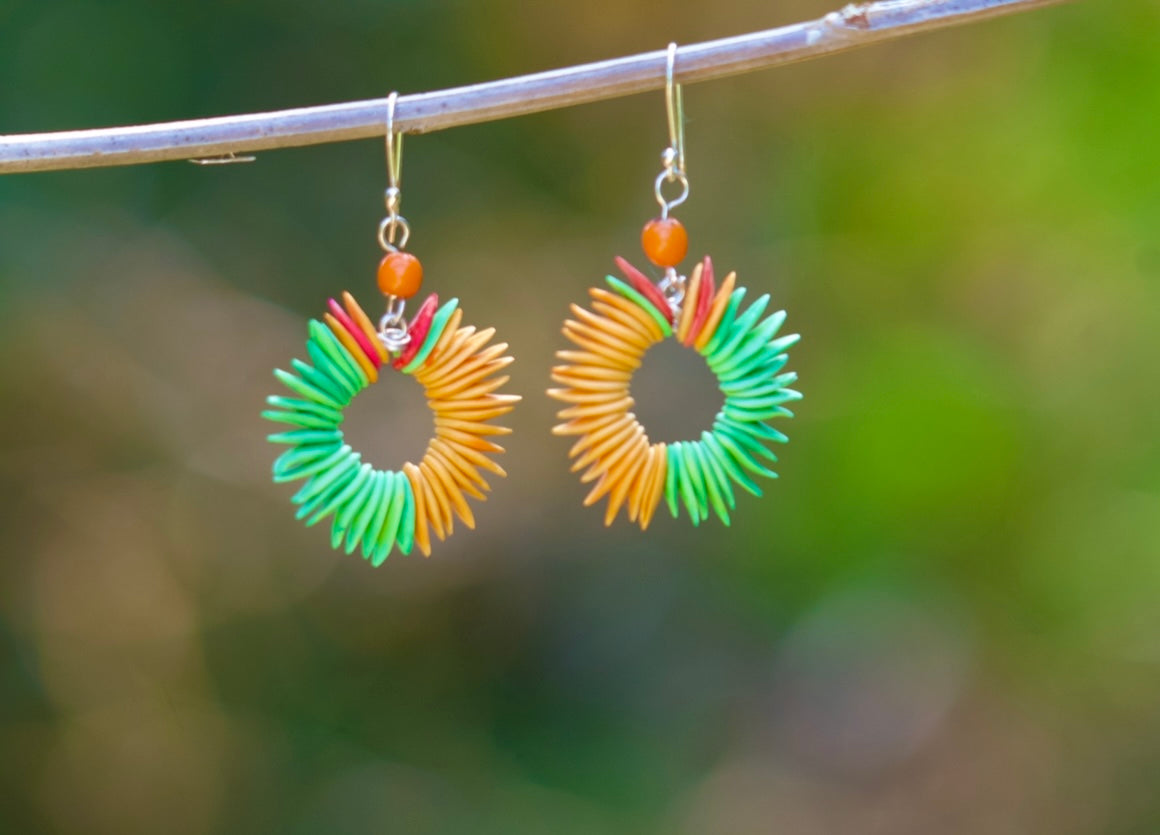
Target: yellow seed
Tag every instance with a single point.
(468, 460)
(577, 332)
(607, 445)
(614, 479)
(689, 305)
(611, 463)
(600, 433)
(480, 389)
(610, 326)
(582, 384)
(631, 310)
(466, 374)
(461, 350)
(364, 322)
(571, 395)
(648, 331)
(438, 508)
(428, 370)
(641, 485)
(422, 535)
(456, 484)
(657, 487)
(720, 301)
(472, 426)
(590, 373)
(622, 405)
(467, 439)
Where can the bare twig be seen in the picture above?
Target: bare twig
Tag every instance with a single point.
(853, 26)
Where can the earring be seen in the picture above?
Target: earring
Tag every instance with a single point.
(630, 317)
(372, 508)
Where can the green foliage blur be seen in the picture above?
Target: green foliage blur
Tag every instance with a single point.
(943, 617)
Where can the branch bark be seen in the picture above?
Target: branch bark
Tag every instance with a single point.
(854, 26)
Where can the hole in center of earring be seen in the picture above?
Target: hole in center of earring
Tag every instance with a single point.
(389, 422)
(676, 394)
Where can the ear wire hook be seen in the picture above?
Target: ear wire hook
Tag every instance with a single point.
(394, 145)
(675, 108)
(673, 157)
(394, 223)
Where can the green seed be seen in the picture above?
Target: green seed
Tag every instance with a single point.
(339, 355)
(753, 345)
(326, 482)
(762, 365)
(306, 390)
(394, 517)
(644, 304)
(438, 323)
(367, 510)
(337, 500)
(749, 440)
(671, 479)
(339, 377)
(305, 437)
(347, 512)
(299, 419)
(716, 497)
(684, 487)
(725, 326)
(371, 536)
(301, 462)
(406, 535)
(741, 456)
(336, 388)
(695, 477)
(739, 331)
(293, 404)
(779, 345)
(730, 466)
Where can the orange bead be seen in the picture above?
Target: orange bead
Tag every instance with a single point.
(400, 274)
(665, 241)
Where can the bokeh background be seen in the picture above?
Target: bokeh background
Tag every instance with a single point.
(942, 618)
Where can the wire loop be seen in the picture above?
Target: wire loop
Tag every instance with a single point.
(672, 287)
(390, 227)
(393, 327)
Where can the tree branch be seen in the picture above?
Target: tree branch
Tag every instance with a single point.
(853, 26)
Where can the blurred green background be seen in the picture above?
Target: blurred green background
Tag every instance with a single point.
(945, 616)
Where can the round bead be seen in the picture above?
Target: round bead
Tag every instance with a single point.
(665, 241)
(400, 274)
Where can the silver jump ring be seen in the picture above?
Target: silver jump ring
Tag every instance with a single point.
(667, 176)
(393, 327)
(389, 227)
(672, 287)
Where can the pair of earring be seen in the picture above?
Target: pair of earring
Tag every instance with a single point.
(379, 511)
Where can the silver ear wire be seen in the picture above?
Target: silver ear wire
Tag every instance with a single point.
(394, 225)
(673, 157)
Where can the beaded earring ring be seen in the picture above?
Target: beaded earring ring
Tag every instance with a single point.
(380, 510)
(742, 349)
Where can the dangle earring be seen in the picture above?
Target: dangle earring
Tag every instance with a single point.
(631, 316)
(376, 509)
